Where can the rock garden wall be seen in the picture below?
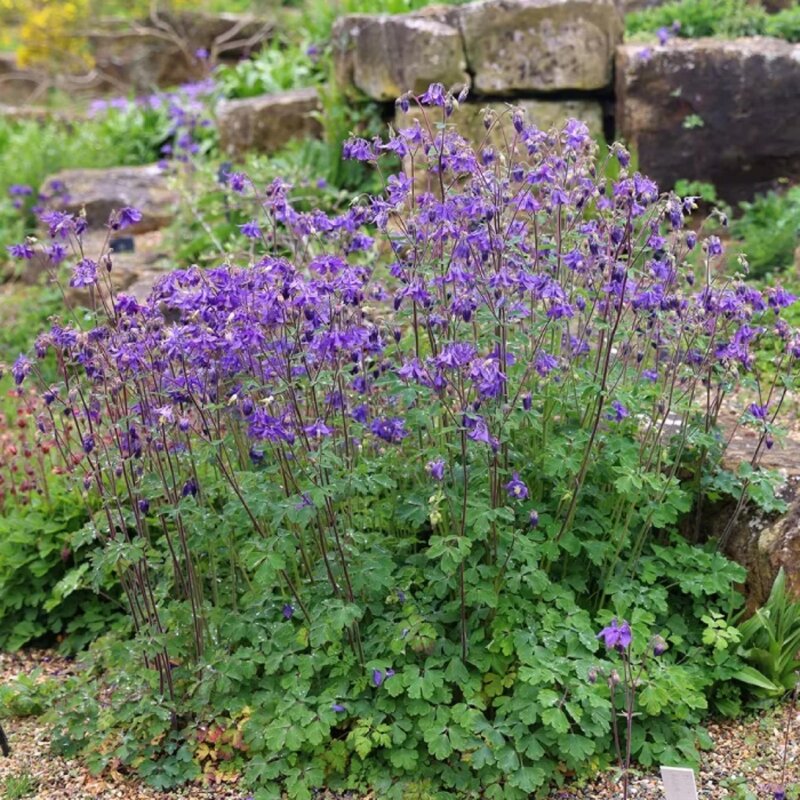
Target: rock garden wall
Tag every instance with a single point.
(727, 112)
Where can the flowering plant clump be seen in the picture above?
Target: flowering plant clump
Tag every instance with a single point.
(27, 459)
(180, 119)
(376, 482)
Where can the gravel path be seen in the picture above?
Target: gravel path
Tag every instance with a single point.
(744, 765)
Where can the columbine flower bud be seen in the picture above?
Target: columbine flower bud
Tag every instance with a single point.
(592, 675)
(659, 646)
(613, 679)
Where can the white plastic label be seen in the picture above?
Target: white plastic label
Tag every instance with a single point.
(679, 783)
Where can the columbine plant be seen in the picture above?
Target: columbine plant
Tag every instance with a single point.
(400, 424)
(618, 639)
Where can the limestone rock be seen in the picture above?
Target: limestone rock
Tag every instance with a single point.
(17, 86)
(229, 35)
(131, 269)
(385, 56)
(765, 544)
(267, 122)
(101, 191)
(161, 51)
(540, 45)
(722, 111)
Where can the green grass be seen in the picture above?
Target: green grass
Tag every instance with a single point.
(18, 786)
(724, 18)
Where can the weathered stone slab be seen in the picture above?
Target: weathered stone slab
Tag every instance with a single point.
(101, 191)
(162, 51)
(267, 122)
(722, 111)
(385, 56)
(17, 85)
(540, 45)
(762, 543)
(132, 270)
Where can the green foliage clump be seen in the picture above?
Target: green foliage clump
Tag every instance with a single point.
(47, 590)
(28, 695)
(276, 68)
(769, 231)
(785, 24)
(770, 644)
(726, 18)
(295, 709)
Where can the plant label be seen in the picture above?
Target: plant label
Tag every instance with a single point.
(679, 783)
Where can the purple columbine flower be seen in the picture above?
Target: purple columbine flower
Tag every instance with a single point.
(779, 793)
(84, 273)
(434, 96)
(616, 636)
(378, 676)
(238, 181)
(21, 251)
(338, 708)
(21, 369)
(435, 469)
(516, 488)
(533, 519)
(618, 412)
(391, 429)
(714, 246)
(144, 505)
(126, 217)
(318, 429)
(659, 646)
(759, 412)
(88, 443)
(56, 253)
(251, 230)
(189, 488)
(287, 611)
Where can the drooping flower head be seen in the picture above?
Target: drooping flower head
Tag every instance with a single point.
(435, 469)
(616, 636)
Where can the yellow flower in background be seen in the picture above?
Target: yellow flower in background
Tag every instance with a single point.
(52, 33)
